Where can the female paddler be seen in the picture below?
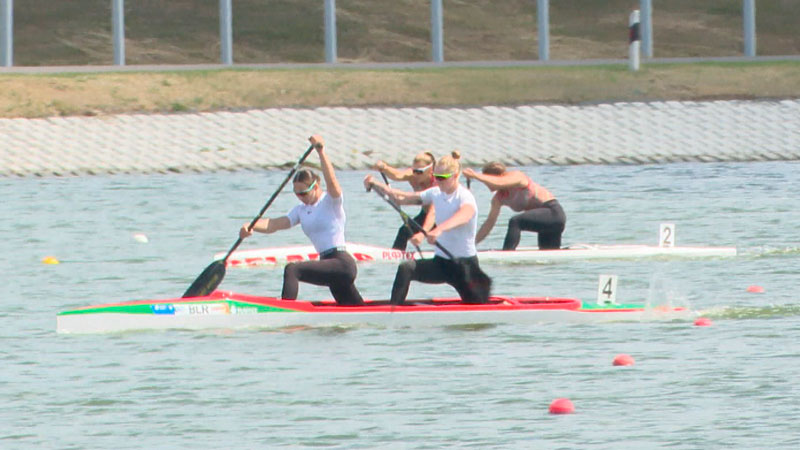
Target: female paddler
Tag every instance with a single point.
(539, 209)
(456, 212)
(321, 215)
(420, 177)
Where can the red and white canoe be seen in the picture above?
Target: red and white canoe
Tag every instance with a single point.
(228, 310)
(278, 256)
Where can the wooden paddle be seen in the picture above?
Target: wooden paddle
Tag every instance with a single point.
(476, 279)
(212, 276)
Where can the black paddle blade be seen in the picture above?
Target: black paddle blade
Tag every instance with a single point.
(478, 283)
(208, 280)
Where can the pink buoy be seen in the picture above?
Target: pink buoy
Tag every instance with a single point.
(562, 406)
(702, 322)
(623, 360)
(755, 289)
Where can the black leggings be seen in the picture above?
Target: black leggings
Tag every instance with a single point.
(404, 234)
(336, 270)
(435, 271)
(548, 221)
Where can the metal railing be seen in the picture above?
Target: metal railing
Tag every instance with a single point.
(437, 30)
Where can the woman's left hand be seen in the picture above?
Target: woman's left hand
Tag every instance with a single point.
(317, 141)
(369, 181)
(416, 239)
(433, 235)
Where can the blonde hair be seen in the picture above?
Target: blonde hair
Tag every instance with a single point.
(494, 168)
(450, 163)
(424, 158)
(306, 176)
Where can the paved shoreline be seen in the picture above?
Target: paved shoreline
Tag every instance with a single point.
(617, 133)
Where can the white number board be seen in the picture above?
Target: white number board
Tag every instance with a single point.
(607, 290)
(666, 235)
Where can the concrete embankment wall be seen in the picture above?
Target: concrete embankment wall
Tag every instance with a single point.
(620, 133)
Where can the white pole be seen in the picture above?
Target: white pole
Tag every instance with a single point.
(330, 31)
(543, 20)
(749, 18)
(633, 47)
(226, 32)
(7, 33)
(647, 28)
(118, 30)
(437, 34)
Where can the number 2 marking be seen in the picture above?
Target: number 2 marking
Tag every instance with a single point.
(666, 235)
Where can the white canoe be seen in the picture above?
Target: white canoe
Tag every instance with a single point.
(278, 256)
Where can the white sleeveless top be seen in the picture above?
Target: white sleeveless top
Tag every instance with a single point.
(323, 222)
(460, 241)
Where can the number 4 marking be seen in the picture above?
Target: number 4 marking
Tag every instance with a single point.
(607, 290)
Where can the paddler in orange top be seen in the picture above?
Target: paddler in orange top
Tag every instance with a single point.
(539, 210)
(420, 177)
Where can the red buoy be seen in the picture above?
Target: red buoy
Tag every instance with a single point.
(755, 289)
(623, 360)
(562, 406)
(702, 322)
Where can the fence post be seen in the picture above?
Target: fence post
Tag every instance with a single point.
(118, 30)
(437, 33)
(7, 33)
(749, 18)
(226, 32)
(330, 31)
(633, 38)
(543, 20)
(647, 28)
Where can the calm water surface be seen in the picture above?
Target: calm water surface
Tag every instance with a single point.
(731, 385)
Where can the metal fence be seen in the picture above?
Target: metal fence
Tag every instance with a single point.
(329, 20)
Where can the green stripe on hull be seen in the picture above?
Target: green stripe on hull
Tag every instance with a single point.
(625, 306)
(150, 308)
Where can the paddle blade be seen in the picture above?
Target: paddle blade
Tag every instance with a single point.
(208, 280)
(478, 283)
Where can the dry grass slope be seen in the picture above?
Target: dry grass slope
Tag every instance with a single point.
(78, 32)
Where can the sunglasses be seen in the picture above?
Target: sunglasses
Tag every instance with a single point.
(442, 176)
(421, 170)
(306, 191)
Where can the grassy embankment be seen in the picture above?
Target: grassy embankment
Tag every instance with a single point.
(183, 32)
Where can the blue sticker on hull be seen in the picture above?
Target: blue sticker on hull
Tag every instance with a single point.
(163, 308)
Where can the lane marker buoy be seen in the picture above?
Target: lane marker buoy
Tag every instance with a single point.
(562, 406)
(702, 322)
(755, 289)
(50, 260)
(140, 237)
(623, 360)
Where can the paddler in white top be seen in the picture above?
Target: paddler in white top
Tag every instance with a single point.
(456, 224)
(540, 211)
(321, 215)
(420, 177)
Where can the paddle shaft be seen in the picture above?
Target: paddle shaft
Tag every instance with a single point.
(408, 220)
(419, 250)
(271, 199)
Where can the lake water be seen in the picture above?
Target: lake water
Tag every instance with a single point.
(731, 385)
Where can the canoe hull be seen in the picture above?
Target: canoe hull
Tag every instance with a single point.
(278, 256)
(227, 310)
